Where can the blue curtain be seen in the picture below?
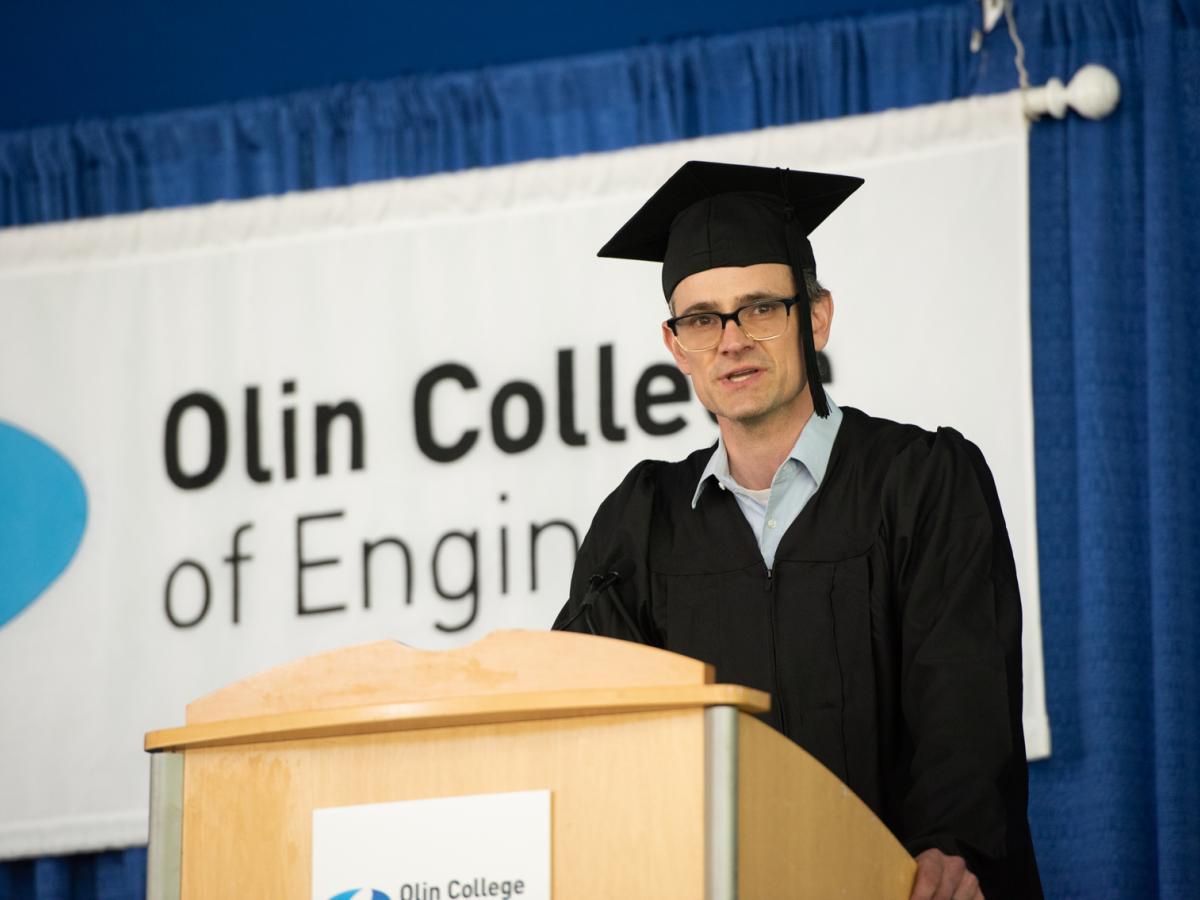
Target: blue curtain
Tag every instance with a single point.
(1115, 268)
(115, 875)
(423, 124)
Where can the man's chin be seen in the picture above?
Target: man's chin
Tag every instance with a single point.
(744, 415)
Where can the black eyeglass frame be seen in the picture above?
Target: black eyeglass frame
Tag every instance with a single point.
(726, 318)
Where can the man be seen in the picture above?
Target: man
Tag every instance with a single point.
(856, 569)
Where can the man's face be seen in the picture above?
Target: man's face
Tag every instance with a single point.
(743, 381)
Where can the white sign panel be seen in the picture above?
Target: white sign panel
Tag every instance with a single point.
(236, 435)
(490, 846)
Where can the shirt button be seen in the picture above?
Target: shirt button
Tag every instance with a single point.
(770, 523)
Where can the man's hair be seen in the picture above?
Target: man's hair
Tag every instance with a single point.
(812, 287)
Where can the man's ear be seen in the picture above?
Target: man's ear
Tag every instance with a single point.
(822, 319)
(681, 358)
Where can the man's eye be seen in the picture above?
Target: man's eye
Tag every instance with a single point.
(764, 309)
(701, 321)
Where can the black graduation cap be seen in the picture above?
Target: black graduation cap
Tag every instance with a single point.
(711, 214)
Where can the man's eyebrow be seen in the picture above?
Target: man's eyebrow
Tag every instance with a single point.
(760, 295)
(699, 306)
(710, 306)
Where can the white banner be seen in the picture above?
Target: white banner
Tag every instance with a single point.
(303, 422)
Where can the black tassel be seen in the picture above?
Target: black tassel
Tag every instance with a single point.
(812, 365)
(803, 312)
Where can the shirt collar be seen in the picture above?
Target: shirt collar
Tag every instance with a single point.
(812, 450)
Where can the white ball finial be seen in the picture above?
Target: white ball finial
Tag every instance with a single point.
(1094, 92)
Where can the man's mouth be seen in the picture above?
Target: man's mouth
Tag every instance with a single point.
(740, 374)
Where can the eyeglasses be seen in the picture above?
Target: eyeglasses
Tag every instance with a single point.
(762, 320)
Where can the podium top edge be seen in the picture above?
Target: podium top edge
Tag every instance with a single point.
(487, 709)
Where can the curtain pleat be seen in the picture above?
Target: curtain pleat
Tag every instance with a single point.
(1115, 267)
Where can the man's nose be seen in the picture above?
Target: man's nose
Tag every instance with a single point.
(733, 337)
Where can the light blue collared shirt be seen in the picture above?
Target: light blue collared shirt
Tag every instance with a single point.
(772, 511)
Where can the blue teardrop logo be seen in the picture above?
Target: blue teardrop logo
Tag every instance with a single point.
(43, 512)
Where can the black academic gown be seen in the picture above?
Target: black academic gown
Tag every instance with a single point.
(888, 633)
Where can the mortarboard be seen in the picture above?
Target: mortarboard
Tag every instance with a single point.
(710, 214)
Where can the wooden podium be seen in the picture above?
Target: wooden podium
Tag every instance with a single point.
(662, 784)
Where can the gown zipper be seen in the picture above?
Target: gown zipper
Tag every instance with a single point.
(770, 588)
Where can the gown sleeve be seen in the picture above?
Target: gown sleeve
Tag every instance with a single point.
(960, 654)
(610, 588)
